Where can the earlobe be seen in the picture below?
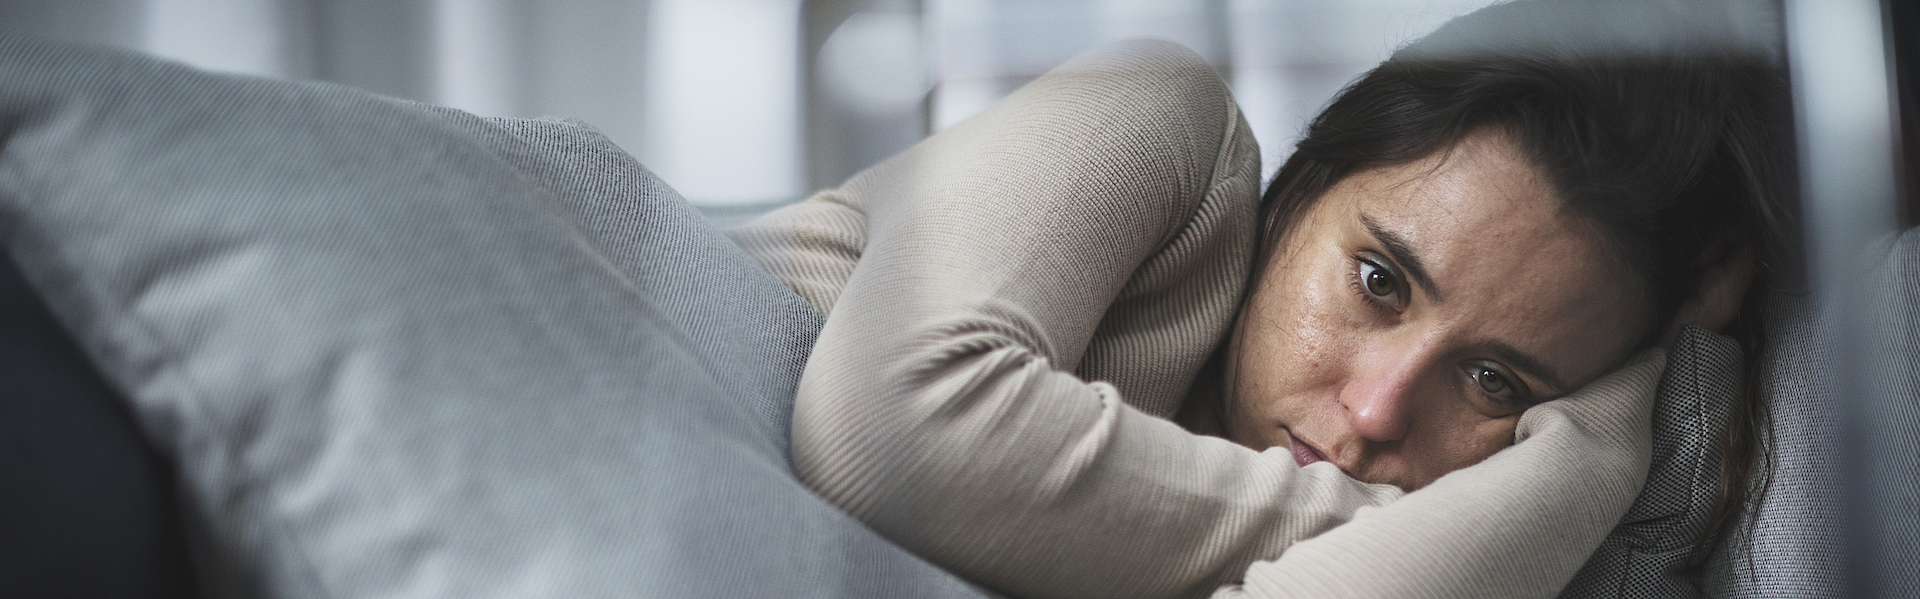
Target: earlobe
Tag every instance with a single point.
(1724, 279)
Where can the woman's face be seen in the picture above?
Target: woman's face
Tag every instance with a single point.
(1416, 310)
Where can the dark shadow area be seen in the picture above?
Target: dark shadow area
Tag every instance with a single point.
(87, 506)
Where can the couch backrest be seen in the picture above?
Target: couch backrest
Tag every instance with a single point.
(1797, 542)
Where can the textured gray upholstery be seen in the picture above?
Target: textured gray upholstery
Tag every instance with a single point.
(402, 351)
(1796, 543)
(1791, 546)
(1646, 555)
(1892, 423)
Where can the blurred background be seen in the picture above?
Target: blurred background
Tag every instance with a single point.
(743, 105)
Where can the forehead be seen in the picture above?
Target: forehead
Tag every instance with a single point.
(1510, 264)
(1478, 194)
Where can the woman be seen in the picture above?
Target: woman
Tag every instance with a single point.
(1442, 278)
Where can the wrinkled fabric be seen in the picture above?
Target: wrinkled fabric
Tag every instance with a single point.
(401, 351)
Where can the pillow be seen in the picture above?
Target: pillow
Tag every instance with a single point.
(1790, 543)
(397, 350)
(1644, 556)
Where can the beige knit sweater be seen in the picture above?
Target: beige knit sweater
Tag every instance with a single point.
(1017, 304)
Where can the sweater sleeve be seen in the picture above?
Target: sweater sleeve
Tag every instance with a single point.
(1141, 141)
(993, 293)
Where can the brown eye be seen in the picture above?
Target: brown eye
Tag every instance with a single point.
(1491, 381)
(1378, 282)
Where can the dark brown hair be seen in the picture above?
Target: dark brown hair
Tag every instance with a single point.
(1675, 151)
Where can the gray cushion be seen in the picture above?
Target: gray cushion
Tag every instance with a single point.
(1792, 543)
(1893, 422)
(398, 350)
(1646, 555)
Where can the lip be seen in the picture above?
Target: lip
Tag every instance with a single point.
(1303, 453)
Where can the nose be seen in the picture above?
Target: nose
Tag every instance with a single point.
(1379, 398)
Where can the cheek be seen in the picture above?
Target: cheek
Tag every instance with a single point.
(1291, 345)
(1479, 439)
(1441, 448)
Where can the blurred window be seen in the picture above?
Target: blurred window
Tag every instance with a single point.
(746, 104)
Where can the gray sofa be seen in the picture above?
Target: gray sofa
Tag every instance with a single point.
(295, 340)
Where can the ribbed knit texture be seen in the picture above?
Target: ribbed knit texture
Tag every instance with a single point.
(1098, 225)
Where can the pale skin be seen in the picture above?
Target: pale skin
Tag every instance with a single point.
(1415, 310)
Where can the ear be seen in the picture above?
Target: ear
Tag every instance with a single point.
(1724, 279)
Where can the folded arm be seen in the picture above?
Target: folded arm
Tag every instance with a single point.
(1096, 225)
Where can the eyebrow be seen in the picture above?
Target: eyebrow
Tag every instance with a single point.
(1520, 360)
(1403, 253)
